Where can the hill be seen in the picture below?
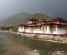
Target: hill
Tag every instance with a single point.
(23, 17)
(18, 18)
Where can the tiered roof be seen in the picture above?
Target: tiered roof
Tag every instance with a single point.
(39, 22)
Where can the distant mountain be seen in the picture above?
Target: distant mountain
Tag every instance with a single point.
(18, 18)
(23, 17)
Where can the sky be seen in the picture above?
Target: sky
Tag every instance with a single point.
(51, 7)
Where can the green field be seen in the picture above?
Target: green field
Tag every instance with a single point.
(15, 43)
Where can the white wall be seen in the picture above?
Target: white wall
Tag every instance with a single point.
(43, 29)
(37, 31)
(48, 31)
(59, 31)
(28, 30)
(20, 29)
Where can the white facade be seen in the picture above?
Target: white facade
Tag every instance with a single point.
(20, 29)
(43, 29)
(48, 30)
(28, 30)
(37, 31)
(58, 30)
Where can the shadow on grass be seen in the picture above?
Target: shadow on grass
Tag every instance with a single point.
(33, 44)
(3, 49)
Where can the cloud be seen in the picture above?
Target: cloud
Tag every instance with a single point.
(52, 7)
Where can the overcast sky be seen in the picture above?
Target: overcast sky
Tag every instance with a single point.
(52, 7)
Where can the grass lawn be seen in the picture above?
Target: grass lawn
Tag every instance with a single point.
(33, 44)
